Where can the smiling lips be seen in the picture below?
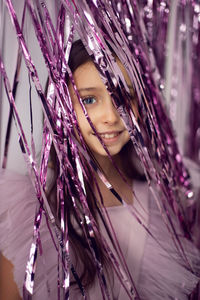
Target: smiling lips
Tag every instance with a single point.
(110, 137)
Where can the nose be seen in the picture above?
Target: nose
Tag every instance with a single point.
(109, 114)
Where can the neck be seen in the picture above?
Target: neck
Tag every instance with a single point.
(113, 176)
(107, 164)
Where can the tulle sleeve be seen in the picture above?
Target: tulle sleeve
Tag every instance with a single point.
(17, 211)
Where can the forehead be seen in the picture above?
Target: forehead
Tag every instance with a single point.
(86, 76)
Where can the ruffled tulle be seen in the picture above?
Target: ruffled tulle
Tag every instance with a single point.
(164, 274)
(159, 275)
(17, 211)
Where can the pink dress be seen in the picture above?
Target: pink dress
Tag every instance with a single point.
(158, 271)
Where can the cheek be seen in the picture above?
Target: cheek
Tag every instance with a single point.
(82, 121)
(79, 113)
(81, 118)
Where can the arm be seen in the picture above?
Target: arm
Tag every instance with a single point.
(8, 287)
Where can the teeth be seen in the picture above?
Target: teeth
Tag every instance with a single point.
(109, 136)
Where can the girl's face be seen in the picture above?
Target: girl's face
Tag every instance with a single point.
(100, 109)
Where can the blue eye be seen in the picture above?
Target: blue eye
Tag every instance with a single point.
(89, 100)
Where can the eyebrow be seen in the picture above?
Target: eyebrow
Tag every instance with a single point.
(88, 89)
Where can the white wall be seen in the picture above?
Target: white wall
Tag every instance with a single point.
(9, 50)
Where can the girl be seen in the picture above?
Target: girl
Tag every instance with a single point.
(152, 264)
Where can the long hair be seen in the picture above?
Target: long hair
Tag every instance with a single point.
(78, 242)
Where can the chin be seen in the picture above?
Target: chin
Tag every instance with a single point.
(112, 152)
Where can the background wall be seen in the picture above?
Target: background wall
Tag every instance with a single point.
(9, 52)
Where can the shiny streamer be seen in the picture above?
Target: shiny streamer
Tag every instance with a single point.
(24, 145)
(14, 91)
(31, 265)
(183, 66)
(121, 24)
(35, 78)
(32, 11)
(145, 155)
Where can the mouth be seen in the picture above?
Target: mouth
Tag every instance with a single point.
(110, 137)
